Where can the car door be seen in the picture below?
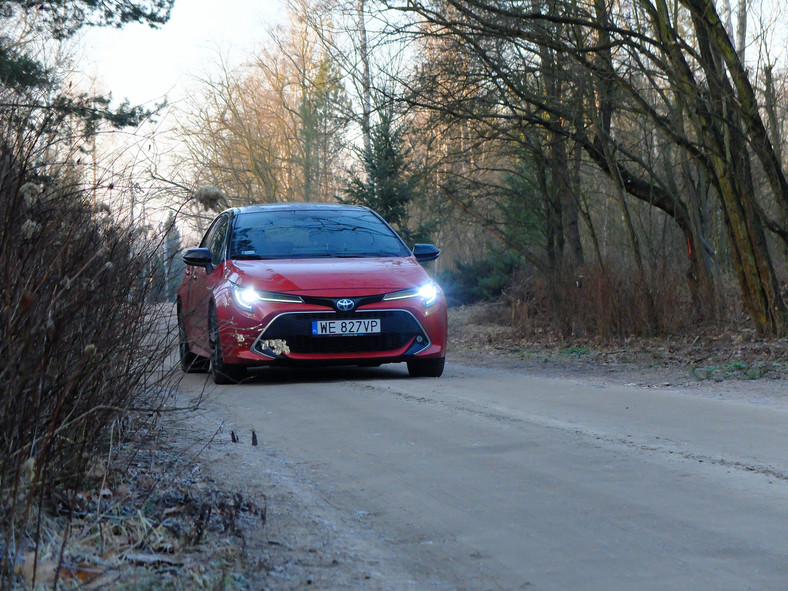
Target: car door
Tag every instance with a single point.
(203, 281)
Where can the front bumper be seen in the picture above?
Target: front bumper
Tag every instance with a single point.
(282, 335)
(289, 334)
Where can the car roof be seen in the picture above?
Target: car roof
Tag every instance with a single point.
(299, 205)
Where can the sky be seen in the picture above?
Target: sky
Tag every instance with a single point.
(145, 64)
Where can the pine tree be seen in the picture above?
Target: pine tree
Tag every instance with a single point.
(385, 186)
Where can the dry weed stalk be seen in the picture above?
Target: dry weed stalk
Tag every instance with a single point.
(81, 343)
(607, 305)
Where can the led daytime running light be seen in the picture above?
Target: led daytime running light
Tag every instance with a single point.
(428, 292)
(247, 297)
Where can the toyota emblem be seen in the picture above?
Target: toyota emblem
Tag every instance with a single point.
(345, 305)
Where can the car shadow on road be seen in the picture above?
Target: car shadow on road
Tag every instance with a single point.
(302, 375)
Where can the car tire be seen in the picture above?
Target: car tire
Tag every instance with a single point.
(426, 368)
(221, 372)
(190, 362)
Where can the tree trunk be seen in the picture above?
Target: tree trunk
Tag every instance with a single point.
(741, 29)
(723, 118)
(752, 261)
(563, 206)
(724, 134)
(366, 84)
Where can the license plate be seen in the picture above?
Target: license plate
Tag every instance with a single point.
(345, 327)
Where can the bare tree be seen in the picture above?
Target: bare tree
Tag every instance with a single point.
(673, 66)
(271, 130)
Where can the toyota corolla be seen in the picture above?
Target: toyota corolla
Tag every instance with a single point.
(311, 284)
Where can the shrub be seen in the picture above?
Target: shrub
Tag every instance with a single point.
(79, 344)
(482, 279)
(610, 304)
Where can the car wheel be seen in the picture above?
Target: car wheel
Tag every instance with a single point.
(221, 372)
(426, 368)
(190, 362)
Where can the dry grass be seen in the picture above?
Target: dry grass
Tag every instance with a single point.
(611, 305)
(145, 517)
(80, 347)
(701, 352)
(609, 320)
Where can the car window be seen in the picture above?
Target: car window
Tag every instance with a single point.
(208, 236)
(313, 233)
(215, 239)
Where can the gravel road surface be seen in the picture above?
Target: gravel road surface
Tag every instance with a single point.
(492, 478)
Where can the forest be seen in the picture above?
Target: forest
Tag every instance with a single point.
(613, 168)
(608, 169)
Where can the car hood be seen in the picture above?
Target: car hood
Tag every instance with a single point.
(352, 276)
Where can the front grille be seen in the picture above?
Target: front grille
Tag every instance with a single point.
(398, 329)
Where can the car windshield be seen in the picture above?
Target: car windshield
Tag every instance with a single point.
(313, 233)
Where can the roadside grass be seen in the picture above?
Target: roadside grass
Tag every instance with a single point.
(145, 518)
(739, 370)
(573, 351)
(83, 346)
(701, 353)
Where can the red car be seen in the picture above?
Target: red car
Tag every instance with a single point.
(312, 284)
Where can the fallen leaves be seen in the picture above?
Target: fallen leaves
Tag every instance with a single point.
(708, 352)
(43, 571)
(149, 515)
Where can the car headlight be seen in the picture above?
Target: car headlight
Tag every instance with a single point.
(427, 292)
(247, 297)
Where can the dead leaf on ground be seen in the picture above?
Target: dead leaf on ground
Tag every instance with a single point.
(153, 559)
(42, 571)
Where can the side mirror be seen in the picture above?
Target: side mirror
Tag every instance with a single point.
(198, 257)
(425, 252)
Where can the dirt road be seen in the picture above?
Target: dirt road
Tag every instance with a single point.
(495, 479)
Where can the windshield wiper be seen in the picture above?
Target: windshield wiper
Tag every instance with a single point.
(338, 255)
(252, 257)
(301, 255)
